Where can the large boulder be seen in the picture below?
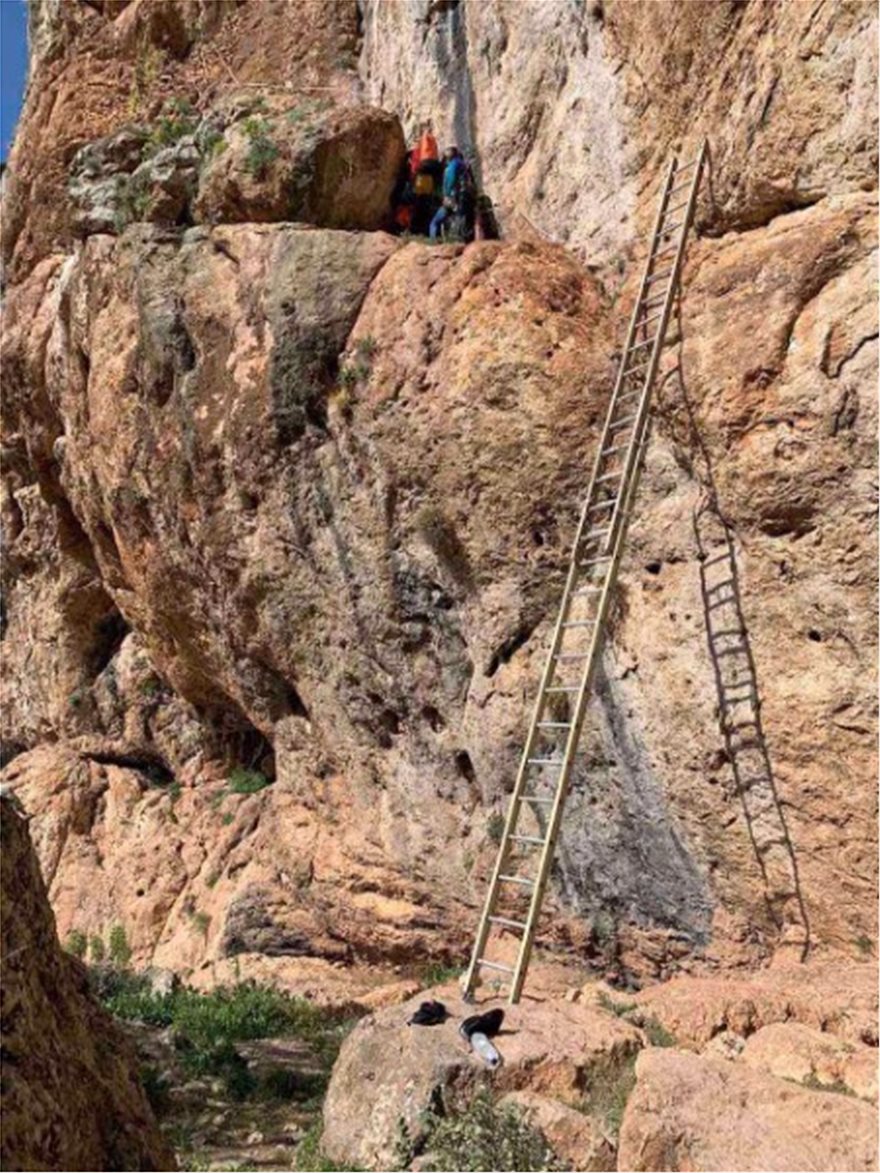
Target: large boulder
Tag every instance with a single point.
(71, 1096)
(311, 161)
(389, 1075)
(691, 1112)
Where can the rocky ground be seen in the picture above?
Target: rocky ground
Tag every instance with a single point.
(776, 1071)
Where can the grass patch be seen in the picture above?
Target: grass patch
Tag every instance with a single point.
(119, 950)
(620, 1009)
(309, 1155)
(864, 945)
(495, 827)
(608, 1094)
(76, 943)
(244, 781)
(485, 1136)
(838, 1086)
(438, 973)
(262, 149)
(657, 1034)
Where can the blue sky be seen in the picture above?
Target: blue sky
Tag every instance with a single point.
(13, 67)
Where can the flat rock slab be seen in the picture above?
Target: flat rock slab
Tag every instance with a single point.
(389, 1075)
(839, 997)
(688, 1112)
(790, 1050)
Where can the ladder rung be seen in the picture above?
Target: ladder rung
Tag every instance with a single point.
(616, 448)
(494, 964)
(659, 276)
(507, 922)
(596, 561)
(622, 423)
(571, 657)
(672, 228)
(581, 623)
(638, 367)
(589, 591)
(730, 652)
(653, 317)
(728, 582)
(677, 208)
(670, 248)
(554, 724)
(535, 798)
(685, 166)
(518, 880)
(528, 839)
(564, 688)
(680, 187)
(642, 345)
(603, 505)
(609, 476)
(544, 762)
(592, 534)
(637, 394)
(728, 631)
(728, 601)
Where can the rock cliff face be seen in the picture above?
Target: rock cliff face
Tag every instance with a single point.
(288, 505)
(71, 1098)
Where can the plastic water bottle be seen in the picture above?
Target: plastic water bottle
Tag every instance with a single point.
(485, 1050)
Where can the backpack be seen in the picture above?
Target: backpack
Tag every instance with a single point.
(423, 184)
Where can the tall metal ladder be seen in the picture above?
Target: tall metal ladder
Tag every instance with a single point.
(513, 902)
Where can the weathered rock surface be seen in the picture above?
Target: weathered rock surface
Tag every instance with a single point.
(690, 1112)
(572, 1135)
(300, 501)
(543, 94)
(835, 997)
(819, 1059)
(71, 1096)
(389, 1072)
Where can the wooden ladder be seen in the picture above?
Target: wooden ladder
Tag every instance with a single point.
(545, 770)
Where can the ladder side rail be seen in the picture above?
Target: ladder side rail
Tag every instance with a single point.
(620, 521)
(571, 580)
(615, 540)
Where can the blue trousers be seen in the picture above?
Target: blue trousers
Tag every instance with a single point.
(439, 216)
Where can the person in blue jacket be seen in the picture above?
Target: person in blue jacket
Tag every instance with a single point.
(453, 173)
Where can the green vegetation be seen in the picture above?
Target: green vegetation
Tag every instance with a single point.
(437, 974)
(864, 945)
(495, 827)
(202, 922)
(147, 67)
(604, 929)
(484, 1136)
(607, 1095)
(76, 699)
(97, 952)
(206, 1028)
(227, 818)
(657, 1034)
(76, 943)
(838, 1086)
(119, 950)
(309, 1155)
(243, 781)
(178, 119)
(262, 150)
(621, 1009)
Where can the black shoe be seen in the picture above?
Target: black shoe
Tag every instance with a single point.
(429, 1014)
(488, 1024)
